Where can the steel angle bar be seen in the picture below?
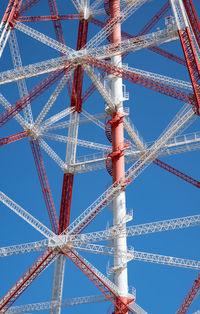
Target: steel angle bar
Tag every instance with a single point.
(17, 62)
(4, 102)
(52, 154)
(52, 99)
(25, 215)
(133, 44)
(52, 304)
(23, 248)
(140, 256)
(32, 70)
(66, 139)
(50, 42)
(131, 231)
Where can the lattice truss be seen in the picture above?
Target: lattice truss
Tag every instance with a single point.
(58, 112)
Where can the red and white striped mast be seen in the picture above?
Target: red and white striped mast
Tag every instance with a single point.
(118, 169)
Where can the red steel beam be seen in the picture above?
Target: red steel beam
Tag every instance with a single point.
(27, 5)
(192, 61)
(177, 173)
(45, 185)
(20, 286)
(76, 101)
(56, 23)
(44, 18)
(32, 95)
(59, 32)
(194, 21)
(190, 296)
(13, 138)
(99, 283)
(12, 11)
(65, 205)
(143, 81)
(168, 55)
(155, 19)
(8, 10)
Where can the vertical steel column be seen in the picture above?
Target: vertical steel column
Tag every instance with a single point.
(65, 208)
(119, 203)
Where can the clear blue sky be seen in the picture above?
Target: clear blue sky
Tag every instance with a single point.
(155, 194)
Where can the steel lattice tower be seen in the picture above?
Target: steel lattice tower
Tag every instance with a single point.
(46, 104)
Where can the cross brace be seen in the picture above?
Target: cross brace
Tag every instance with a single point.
(13, 138)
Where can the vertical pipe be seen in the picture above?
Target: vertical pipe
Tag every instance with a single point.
(119, 203)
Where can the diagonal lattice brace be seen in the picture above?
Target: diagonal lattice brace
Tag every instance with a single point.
(13, 138)
(192, 61)
(39, 163)
(190, 296)
(20, 286)
(104, 287)
(194, 21)
(59, 32)
(27, 5)
(178, 173)
(32, 95)
(12, 11)
(65, 205)
(141, 80)
(45, 18)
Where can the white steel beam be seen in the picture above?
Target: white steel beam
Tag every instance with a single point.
(25, 215)
(138, 309)
(52, 154)
(23, 248)
(34, 69)
(17, 62)
(133, 44)
(4, 102)
(72, 137)
(58, 116)
(102, 90)
(140, 256)
(67, 302)
(46, 40)
(53, 98)
(96, 4)
(98, 12)
(179, 14)
(77, 5)
(52, 305)
(58, 280)
(83, 143)
(82, 120)
(4, 35)
(133, 133)
(93, 119)
(160, 78)
(166, 260)
(131, 231)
